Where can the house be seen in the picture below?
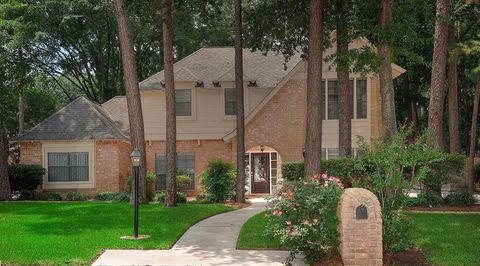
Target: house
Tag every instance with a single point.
(85, 146)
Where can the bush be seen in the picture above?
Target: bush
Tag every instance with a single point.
(219, 180)
(25, 176)
(160, 197)
(303, 215)
(54, 196)
(113, 196)
(426, 199)
(204, 198)
(183, 182)
(151, 178)
(476, 170)
(292, 170)
(460, 198)
(75, 196)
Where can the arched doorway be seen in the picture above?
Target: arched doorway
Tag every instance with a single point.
(262, 170)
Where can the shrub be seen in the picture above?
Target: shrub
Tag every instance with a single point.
(219, 180)
(426, 199)
(25, 176)
(113, 196)
(151, 178)
(460, 198)
(204, 198)
(75, 196)
(160, 197)
(122, 197)
(54, 196)
(292, 170)
(183, 182)
(303, 214)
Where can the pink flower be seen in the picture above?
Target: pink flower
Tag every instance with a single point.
(324, 176)
(305, 183)
(306, 222)
(294, 232)
(288, 222)
(280, 213)
(315, 220)
(274, 212)
(297, 204)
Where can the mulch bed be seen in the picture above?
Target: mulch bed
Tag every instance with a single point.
(447, 208)
(408, 257)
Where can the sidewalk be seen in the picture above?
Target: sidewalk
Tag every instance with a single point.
(209, 242)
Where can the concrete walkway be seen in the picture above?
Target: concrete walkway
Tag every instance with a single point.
(209, 242)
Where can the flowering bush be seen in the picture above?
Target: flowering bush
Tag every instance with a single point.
(303, 215)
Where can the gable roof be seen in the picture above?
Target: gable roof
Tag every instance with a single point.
(79, 120)
(213, 64)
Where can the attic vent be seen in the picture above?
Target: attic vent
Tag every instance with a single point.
(199, 84)
(216, 83)
(252, 83)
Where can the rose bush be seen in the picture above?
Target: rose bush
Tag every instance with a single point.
(303, 215)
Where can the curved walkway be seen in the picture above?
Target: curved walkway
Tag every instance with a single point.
(209, 242)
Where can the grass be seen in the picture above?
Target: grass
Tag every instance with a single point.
(446, 238)
(252, 235)
(62, 232)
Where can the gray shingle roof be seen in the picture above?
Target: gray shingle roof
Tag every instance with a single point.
(79, 120)
(213, 64)
(117, 110)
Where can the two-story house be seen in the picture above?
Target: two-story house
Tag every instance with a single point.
(85, 146)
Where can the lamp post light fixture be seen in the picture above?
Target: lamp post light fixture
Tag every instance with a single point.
(262, 148)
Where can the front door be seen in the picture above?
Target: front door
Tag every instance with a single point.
(260, 178)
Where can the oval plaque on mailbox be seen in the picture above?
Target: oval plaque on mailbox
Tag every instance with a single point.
(361, 212)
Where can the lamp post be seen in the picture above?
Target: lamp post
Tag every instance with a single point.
(136, 157)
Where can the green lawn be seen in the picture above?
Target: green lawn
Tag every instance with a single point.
(446, 238)
(60, 232)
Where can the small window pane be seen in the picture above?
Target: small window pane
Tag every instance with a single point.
(161, 170)
(359, 152)
(324, 154)
(333, 99)
(274, 181)
(274, 156)
(230, 101)
(186, 164)
(183, 102)
(332, 153)
(274, 172)
(361, 99)
(79, 166)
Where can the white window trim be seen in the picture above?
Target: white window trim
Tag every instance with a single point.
(193, 105)
(367, 80)
(229, 117)
(70, 147)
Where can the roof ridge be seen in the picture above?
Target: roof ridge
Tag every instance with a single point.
(114, 97)
(107, 121)
(245, 76)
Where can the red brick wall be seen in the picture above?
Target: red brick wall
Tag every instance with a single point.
(31, 153)
(204, 152)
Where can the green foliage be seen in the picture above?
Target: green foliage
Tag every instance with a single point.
(75, 196)
(476, 170)
(204, 198)
(151, 178)
(183, 182)
(460, 198)
(180, 197)
(219, 180)
(112, 196)
(303, 215)
(54, 196)
(292, 170)
(426, 199)
(25, 176)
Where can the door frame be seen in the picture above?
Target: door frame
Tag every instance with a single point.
(267, 171)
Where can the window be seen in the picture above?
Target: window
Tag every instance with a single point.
(359, 152)
(183, 102)
(332, 153)
(324, 154)
(332, 99)
(68, 167)
(230, 101)
(185, 165)
(361, 98)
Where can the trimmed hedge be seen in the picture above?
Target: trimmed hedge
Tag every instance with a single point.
(25, 176)
(113, 196)
(343, 168)
(460, 198)
(160, 197)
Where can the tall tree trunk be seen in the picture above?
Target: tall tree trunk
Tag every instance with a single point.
(385, 74)
(134, 104)
(315, 95)
(4, 182)
(453, 127)
(473, 138)
(412, 110)
(240, 197)
(437, 84)
(345, 92)
(21, 114)
(170, 199)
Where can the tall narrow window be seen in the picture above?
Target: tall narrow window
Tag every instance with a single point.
(230, 101)
(352, 89)
(183, 102)
(273, 170)
(68, 167)
(332, 99)
(361, 99)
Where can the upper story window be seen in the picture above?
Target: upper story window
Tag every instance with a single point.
(230, 101)
(183, 102)
(359, 98)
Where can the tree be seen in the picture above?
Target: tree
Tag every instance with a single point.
(437, 84)
(171, 151)
(473, 138)
(453, 119)
(132, 90)
(387, 91)
(345, 92)
(315, 97)
(240, 187)
(4, 182)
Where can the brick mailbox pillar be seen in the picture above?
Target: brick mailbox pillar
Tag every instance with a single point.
(360, 228)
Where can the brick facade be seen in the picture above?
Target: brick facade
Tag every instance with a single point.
(360, 237)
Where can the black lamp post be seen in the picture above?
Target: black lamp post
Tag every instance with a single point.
(136, 157)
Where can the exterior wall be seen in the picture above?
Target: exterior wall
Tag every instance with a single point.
(31, 153)
(204, 151)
